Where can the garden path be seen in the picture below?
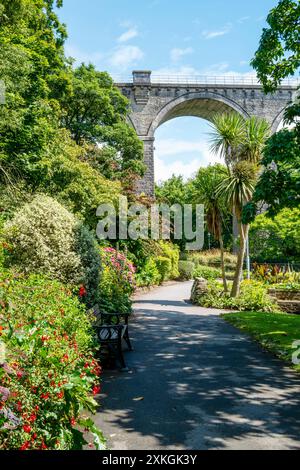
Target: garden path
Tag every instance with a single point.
(195, 382)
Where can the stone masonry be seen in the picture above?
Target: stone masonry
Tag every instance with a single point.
(153, 104)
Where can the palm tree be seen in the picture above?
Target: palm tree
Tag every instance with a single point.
(257, 132)
(227, 136)
(238, 189)
(241, 143)
(205, 191)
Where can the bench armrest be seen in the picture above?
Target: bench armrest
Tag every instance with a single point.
(107, 333)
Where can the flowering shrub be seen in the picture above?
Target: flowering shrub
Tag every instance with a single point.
(117, 282)
(274, 274)
(48, 374)
(253, 297)
(46, 238)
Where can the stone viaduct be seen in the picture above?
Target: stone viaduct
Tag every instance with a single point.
(156, 101)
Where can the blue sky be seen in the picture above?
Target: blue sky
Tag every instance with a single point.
(190, 37)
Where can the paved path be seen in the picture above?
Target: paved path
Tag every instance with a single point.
(204, 385)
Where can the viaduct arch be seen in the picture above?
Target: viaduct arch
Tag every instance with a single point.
(154, 102)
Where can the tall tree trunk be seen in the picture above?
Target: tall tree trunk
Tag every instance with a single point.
(243, 230)
(223, 264)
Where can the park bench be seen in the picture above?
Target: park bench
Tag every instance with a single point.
(111, 330)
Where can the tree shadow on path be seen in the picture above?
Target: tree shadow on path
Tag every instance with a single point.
(195, 382)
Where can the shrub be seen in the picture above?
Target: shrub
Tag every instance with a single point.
(278, 239)
(117, 282)
(62, 174)
(253, 297)
(148, 275)
(48, 374)
(171, 251)
(186, 270)
(164, 267)
(273, 274)
(213, 258)
(46, 238)
(207, 272)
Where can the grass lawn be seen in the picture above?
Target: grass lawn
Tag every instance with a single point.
(276, 332)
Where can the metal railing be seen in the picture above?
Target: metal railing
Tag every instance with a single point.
(204, 80)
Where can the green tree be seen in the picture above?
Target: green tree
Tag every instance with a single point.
(278, 55)
(229, 136)
(95, 112)
(172, 191)
(32, 66)
(276, 240)
(238, 189)
(242, 142)
(204, 189)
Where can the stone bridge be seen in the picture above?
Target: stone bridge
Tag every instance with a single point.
(157, 100)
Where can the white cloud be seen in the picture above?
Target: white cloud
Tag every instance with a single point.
(131, 33)
(177, 53)
(165, 148)
(125, 56)
(216, 33)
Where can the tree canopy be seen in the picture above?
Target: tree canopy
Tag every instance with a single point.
(278, 55)
(45, 94)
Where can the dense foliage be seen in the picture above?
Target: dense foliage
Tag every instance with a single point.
(47, 369)
(253, 297)
(44, 237)
(278, 55)
(276, 240)
(117, 282)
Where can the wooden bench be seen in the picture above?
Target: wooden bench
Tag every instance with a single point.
(111, 330)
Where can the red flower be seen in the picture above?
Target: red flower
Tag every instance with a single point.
(60, 395)
(19, 406)
(65, 358)
(27, 428)
(34, 436)
(43, 446)
(82, 291)
(25, 445)
(73, 421)
(96, 390)
(45, 396)
(32, 418)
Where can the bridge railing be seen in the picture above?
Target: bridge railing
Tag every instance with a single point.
(203, 80)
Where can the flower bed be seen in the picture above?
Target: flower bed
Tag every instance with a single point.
(48, 373)
(117, 282)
